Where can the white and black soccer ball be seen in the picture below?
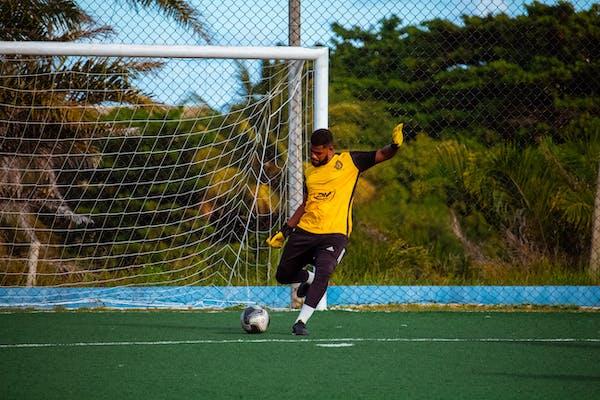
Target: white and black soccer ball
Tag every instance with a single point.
(255, 319)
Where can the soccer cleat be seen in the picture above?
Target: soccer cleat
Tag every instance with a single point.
(302, 289)
(299, 329)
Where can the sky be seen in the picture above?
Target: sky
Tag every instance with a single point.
(262, 23)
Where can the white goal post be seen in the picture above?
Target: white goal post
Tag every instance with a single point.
(34, 244)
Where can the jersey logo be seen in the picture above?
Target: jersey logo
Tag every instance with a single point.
(323, 196)
(338, 164)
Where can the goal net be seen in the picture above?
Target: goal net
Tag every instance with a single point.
(149, 176)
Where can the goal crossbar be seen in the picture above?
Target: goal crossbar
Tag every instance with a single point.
(320, 56)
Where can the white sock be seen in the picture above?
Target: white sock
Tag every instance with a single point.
(305, 313)
(311, 277)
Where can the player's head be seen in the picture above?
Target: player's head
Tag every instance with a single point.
(321, 147)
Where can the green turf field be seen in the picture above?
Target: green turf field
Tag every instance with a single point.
(376, 355)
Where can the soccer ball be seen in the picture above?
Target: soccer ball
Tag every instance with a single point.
(255, 319)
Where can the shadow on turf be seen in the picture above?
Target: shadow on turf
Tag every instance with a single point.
(563, 377)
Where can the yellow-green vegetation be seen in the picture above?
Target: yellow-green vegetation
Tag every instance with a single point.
(495, 183)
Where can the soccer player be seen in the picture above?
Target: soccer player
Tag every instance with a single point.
(317, 233)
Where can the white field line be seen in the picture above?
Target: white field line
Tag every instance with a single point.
(315, 341)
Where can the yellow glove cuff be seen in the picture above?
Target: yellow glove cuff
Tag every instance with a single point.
(397, 136)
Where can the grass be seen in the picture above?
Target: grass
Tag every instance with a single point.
(370, 355)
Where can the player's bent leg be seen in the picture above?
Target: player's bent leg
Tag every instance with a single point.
(327, 258)
(330, 249)
(316, 290)
(286, 275)
(296, 254)
(319, 286)
(303, 289)
(304, 286)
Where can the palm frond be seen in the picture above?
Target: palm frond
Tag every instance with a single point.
(91, 33)
(41, 19)
(56, 97)
(576, 208)
(181, 11)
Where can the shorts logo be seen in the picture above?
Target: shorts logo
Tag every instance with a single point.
(338, 164)
(324, 196)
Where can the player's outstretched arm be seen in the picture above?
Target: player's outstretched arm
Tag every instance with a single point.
(389, 151)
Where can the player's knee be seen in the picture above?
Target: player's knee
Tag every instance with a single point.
(324, 272)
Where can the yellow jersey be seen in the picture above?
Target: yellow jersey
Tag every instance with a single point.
(330, 192)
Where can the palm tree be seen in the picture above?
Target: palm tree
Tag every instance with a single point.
(65, 20)
(539, 199)
(44, 132)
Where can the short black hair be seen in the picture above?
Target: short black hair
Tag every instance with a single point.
(321, 137)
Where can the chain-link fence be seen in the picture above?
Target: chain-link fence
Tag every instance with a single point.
(492, 199)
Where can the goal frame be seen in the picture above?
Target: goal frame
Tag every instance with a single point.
(319, 55)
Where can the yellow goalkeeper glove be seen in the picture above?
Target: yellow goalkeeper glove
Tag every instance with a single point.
(277, 240)
(397, 136)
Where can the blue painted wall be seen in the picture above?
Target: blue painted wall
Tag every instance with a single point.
(279, 296)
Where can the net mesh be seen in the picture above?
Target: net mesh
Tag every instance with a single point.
(104, 185)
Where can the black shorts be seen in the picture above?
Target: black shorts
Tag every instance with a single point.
(324, 251)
